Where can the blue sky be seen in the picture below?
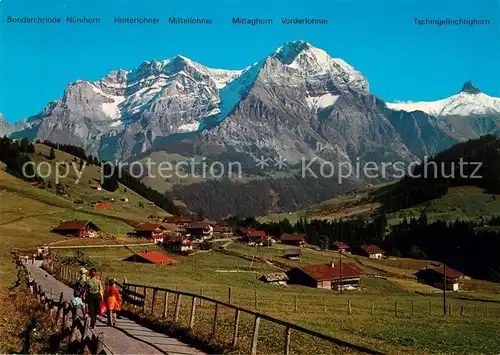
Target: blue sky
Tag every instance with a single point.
(401, 60)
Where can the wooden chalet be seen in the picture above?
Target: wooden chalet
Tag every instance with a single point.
(433, 275)
(292, 254)
(199, 230)
(370, 251)
(222, 229)
(275, 278)
(180, 244)
(327, 276)
(294, 239)
(152, 257)
(341, 246)
(155, 232)
(82, 229)
(252, 236)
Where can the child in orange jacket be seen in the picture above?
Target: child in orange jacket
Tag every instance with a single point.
(113, 301)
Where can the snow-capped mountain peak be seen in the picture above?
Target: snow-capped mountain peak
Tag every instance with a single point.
(304, 59)
(470, 101)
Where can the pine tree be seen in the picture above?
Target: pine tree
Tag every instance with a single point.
(52, 154)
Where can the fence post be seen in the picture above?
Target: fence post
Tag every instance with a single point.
(177, 307)
(85, 333)
(201, 294)
(193, 310)
(451, 310)
(296, 304)
(236, 327)
(373, 308)
(165, 305)
(396, 308)
(461, 310)
(324, 304)
(74, 332)
(145, 294)
(214, 325)
(65, 318)
(229, 295)
(288, 333)
(255, 336)
(349, 308)
(59, 307)
(153, 304)
(40, 292)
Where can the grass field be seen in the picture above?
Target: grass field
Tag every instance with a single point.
(372, 322)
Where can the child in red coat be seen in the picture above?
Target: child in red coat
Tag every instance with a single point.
(113, 301)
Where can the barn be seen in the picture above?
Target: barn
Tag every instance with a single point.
(294, 239)
(370, 251)
(434, 275)
(329, 276)
(275, 278)
(152, 257)
(76, 228)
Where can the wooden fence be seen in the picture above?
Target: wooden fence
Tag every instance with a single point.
(75, 328)
(136, 295)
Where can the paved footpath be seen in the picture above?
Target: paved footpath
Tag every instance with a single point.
(127, 337)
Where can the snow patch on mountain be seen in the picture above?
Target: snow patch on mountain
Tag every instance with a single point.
(461, 104)
(190, 127)
(321, 102)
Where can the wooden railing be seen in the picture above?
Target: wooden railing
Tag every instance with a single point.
(131, 295)
(74, 327)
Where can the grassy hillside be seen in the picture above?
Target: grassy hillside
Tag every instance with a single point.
(28, 213)
(463, 203)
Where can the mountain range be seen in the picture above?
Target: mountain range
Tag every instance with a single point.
(285, 106)
(288, 104)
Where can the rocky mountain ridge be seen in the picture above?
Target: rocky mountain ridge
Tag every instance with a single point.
(288, 104)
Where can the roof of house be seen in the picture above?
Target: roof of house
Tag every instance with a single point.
(200, 225)
(252, 232)
(372, 249)
(218, 228)
(293, 237)
(156, 257)
(274, 277)
(341, 245)
(149, 227)
(74, 225)
(292, 252)
(450, 273)
(325, 272)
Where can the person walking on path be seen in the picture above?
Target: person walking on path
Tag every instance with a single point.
(94, 296)
(81, 285)
(77, 302)
(113, 301)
